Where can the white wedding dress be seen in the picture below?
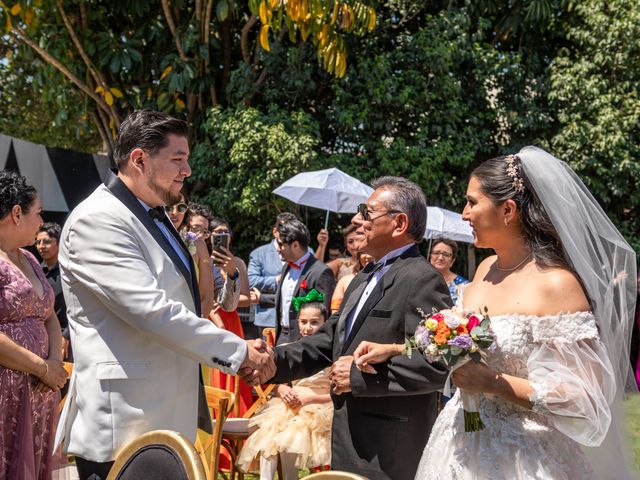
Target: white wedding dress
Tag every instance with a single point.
(564, 360)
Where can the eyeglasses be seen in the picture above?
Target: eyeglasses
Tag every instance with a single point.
(281, 244)
(438, 253)
(201, 232)
(181, 207)
(363, 210)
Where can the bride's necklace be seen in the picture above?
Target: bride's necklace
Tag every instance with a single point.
(516, 267)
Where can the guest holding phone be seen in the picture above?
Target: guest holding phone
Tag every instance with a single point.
(231, 272)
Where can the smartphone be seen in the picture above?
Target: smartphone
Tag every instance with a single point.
(220, 240)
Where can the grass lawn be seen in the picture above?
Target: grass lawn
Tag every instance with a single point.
(632, 411)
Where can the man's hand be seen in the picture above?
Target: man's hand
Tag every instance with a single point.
(258, 366)
(340, 375)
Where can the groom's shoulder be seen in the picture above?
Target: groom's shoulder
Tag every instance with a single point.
(99, 208)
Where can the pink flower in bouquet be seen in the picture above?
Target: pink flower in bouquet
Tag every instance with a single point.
(473, 322)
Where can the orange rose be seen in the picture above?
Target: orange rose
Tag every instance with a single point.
(461, 329)
(443, 329)
(441, 339)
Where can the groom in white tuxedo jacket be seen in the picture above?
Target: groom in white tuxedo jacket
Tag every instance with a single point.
(133, 305)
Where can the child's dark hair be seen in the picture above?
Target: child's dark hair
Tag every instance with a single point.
(319, 305)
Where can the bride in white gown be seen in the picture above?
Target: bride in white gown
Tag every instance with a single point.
(560, 292)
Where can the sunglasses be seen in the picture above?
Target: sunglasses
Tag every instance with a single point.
(366, 215)
(181, 207)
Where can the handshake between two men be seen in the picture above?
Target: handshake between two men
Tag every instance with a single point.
(259, 367)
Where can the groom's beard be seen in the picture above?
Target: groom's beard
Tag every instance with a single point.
(166, 195)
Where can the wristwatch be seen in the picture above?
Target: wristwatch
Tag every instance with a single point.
(234, 275)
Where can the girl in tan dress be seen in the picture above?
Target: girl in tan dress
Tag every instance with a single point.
(297, 423)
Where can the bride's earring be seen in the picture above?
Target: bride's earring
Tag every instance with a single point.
(506, 222)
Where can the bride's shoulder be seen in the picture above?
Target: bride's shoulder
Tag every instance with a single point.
(561, 290)
(485, 265)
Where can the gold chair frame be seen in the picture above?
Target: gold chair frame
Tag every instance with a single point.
(179, 443)
(335, 475)
(220, 403)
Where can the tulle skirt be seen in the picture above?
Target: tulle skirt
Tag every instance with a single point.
(306, 433)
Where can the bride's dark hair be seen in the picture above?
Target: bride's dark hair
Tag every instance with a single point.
(539, 233)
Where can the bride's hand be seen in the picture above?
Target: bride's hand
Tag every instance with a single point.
(475, 377)
(370, 352)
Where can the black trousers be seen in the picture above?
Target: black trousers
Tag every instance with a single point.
(88, 470)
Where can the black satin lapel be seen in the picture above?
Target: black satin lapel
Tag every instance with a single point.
(349, 302)
(122, 193)
(195, 290)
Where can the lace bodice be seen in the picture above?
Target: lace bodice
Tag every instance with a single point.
(517, 336)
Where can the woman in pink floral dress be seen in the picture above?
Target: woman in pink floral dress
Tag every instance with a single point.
(31, 371)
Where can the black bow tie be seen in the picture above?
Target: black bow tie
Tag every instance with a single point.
(157, 213)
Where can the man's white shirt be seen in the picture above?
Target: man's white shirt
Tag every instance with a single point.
(289, 286)
(373, 282)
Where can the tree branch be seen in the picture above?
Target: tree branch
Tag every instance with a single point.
(207, 60)
(244, 38)
(172, 27)
(198, 10)
(105, 135)
(99, 79)
(226, 54)
(62, 69)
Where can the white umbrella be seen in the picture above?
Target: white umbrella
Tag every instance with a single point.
(447, 224)
(330, 189)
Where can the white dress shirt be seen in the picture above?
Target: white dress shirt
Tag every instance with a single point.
(373, 282)
(172, 240)
(288, 287)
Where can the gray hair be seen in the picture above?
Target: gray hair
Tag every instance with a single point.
(408, 198)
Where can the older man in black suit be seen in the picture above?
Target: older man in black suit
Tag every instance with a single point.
(381, 420)
(301, 273)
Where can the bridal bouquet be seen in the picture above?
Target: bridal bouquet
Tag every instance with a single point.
(455, 337)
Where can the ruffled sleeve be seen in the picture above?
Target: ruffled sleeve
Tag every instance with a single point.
(571, 376)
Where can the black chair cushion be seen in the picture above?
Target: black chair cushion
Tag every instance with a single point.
(153, 462)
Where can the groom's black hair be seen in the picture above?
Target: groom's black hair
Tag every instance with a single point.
(148, 130)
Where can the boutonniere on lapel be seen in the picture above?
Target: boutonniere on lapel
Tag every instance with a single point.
(303, 284)
(190, 240)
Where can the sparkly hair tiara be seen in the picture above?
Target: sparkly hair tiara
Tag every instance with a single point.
(513, 171)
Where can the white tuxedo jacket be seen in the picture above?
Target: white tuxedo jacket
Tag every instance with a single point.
(136, 338)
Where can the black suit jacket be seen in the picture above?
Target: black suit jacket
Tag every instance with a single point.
(381, 428)
(315, 274)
